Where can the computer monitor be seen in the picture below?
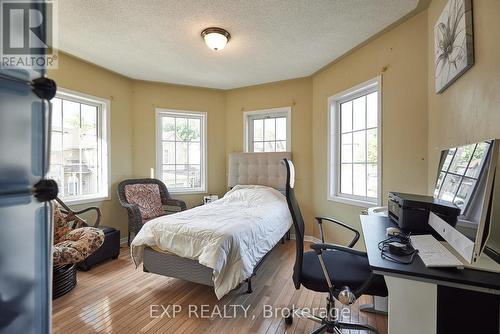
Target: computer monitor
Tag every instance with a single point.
(466, 177)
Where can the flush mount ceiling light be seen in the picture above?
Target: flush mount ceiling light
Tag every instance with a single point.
(215, 38)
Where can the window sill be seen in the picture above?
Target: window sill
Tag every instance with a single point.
(352, 201)
(90, 200)
(187, 192)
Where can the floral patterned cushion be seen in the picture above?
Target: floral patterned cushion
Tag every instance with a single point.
(147, 198)
(77, 245)
(63, 224)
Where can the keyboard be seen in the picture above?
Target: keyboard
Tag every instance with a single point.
(433, 253)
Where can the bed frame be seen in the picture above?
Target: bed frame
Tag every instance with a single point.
(264, 169)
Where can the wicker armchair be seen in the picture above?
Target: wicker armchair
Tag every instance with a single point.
(144, 200)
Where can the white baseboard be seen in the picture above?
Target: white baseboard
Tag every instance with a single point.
(308, 238)
(123, 241)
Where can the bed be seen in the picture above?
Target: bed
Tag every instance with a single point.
(221, 244)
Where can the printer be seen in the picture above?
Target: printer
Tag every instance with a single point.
(411, 212)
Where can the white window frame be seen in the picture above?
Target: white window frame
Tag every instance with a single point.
(333, 170)
(162, 112)
(263, 113)
(104, 143)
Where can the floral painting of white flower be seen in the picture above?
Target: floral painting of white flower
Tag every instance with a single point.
(453, 43)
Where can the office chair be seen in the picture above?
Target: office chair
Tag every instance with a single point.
(344, 273)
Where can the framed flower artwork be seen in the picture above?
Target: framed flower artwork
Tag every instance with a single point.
(453, 43)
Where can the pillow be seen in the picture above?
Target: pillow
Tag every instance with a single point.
(147, 198)
(254, 195)
(61, 226)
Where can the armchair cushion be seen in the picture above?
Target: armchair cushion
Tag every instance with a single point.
(147, 198)
(61, 226)
(77, 245)
(64, 223)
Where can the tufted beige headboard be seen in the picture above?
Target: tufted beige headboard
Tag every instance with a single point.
(263, 169)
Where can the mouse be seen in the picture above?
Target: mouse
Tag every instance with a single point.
(392, 231)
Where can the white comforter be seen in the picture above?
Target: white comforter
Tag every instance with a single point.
(230, 235)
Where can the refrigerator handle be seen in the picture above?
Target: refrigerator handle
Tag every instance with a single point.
(45, 89)
(45, 190)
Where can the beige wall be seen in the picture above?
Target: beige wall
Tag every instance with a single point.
(402, 51)
(80, 76)
(469, 110)
(296, 94)
(147, 96)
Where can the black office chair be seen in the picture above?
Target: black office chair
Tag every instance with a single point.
(341, 271)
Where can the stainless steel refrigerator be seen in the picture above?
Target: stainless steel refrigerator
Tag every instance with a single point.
(25, 219)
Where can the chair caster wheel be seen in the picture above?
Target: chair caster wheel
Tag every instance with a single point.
(289, 318)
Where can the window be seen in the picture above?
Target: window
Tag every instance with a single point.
(79, 146)
(267, 130)
(181, 150)
(460, 173)
(354, 145)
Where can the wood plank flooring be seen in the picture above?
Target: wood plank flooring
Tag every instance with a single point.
(116, 298)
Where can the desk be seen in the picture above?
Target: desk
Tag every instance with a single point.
(433, 300)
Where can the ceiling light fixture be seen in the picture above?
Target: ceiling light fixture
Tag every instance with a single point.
(215, 38)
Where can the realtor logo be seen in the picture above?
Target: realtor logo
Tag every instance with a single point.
(27, 34)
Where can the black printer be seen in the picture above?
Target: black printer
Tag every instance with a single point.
(411, 212)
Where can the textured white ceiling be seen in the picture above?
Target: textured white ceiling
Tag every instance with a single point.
(271, 39)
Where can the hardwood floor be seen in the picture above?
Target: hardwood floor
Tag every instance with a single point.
(116, 298)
